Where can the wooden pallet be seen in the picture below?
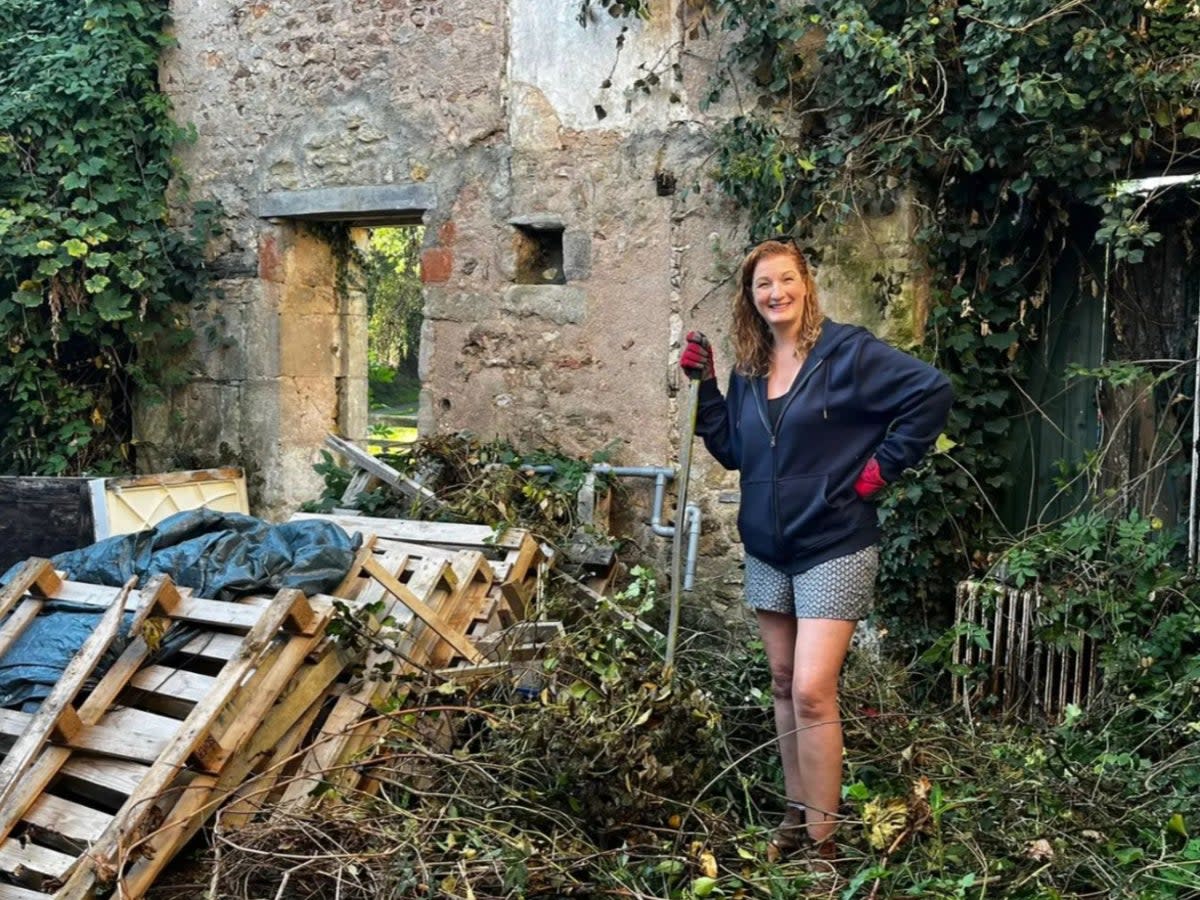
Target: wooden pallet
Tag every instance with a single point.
(102, 789)
(427, 604)
(99, 789)
(515, 555)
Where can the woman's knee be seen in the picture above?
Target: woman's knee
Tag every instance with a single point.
(814, 702)
(782, 678)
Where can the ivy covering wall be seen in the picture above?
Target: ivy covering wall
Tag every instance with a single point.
(91, 271)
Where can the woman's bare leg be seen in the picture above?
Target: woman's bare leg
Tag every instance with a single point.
(778, 633)
(820, 650)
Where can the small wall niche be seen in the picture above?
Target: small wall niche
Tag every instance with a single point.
(538, 246)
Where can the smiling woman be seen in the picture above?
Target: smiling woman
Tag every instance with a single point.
(819, 417)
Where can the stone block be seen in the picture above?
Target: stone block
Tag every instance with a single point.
(260, 417)
(353, 407)
(437, 264)
(559, 303)
(270, 257)
(261, 341)
(455, 306)
(300, 298)
(397, 204)
(425, 350)
(308, 410)
(354, 347)
(309, 346)
(577, 255)
(539, 221)
(308, 261)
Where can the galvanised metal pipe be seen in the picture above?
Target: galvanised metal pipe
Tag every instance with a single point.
(660, 474)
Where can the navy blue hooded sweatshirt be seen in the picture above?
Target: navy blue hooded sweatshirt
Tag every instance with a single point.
(855, 397)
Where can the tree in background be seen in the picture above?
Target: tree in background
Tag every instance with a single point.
(392, 269)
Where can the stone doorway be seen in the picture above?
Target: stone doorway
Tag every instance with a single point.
(314, 321)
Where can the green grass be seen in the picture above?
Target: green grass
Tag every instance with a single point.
(404, 433)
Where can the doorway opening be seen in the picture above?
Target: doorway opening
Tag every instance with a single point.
(391, 278)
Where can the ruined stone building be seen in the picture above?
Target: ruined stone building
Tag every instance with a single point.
(571, 236)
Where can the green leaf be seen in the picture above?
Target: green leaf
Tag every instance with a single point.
(76, 248)
(1192, 129)
(112, 306)
(1175, 825)
(97, 283)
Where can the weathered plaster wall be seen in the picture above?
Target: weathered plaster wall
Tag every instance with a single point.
(508, 112)
(297, 95)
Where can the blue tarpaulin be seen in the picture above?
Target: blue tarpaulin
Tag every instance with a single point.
(221, 556)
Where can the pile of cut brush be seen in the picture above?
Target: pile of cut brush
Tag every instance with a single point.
(591, 775)
(599, 779)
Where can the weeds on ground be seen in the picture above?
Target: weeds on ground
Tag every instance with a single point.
(613, 782)
(593, 776)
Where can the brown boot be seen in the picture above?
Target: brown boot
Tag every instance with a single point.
(790, 836)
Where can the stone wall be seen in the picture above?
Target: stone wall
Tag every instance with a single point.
(516, 126)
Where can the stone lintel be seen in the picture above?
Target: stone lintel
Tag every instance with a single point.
(539, 222)
(380, 204)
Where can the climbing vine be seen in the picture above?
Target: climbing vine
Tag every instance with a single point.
(1009, 121)
(92, 273)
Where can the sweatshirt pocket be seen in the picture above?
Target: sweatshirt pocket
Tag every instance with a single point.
(804, 511)
(756, 518)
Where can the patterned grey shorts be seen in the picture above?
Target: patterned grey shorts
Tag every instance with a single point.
(840, 588)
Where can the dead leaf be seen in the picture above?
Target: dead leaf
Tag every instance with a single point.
(883, 820)
(1039, 850)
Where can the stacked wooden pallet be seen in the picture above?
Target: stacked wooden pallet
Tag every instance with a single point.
(513, 555)
(110, 786)
(100, 788)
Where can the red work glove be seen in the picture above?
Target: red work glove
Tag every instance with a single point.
(870, 482)
(697, 357)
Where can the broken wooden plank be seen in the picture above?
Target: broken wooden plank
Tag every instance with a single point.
(214, 646)
(360, 483)
(420, 532)
(13, 892)
(25, 857)
(73, 822)
(54, 708)
(363, 460)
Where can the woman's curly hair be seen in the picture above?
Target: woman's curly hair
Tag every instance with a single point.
(752, 338)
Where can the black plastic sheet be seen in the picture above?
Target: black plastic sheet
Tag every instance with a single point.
(221, 556)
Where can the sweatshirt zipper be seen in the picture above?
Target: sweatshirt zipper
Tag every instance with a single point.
(761, 404)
